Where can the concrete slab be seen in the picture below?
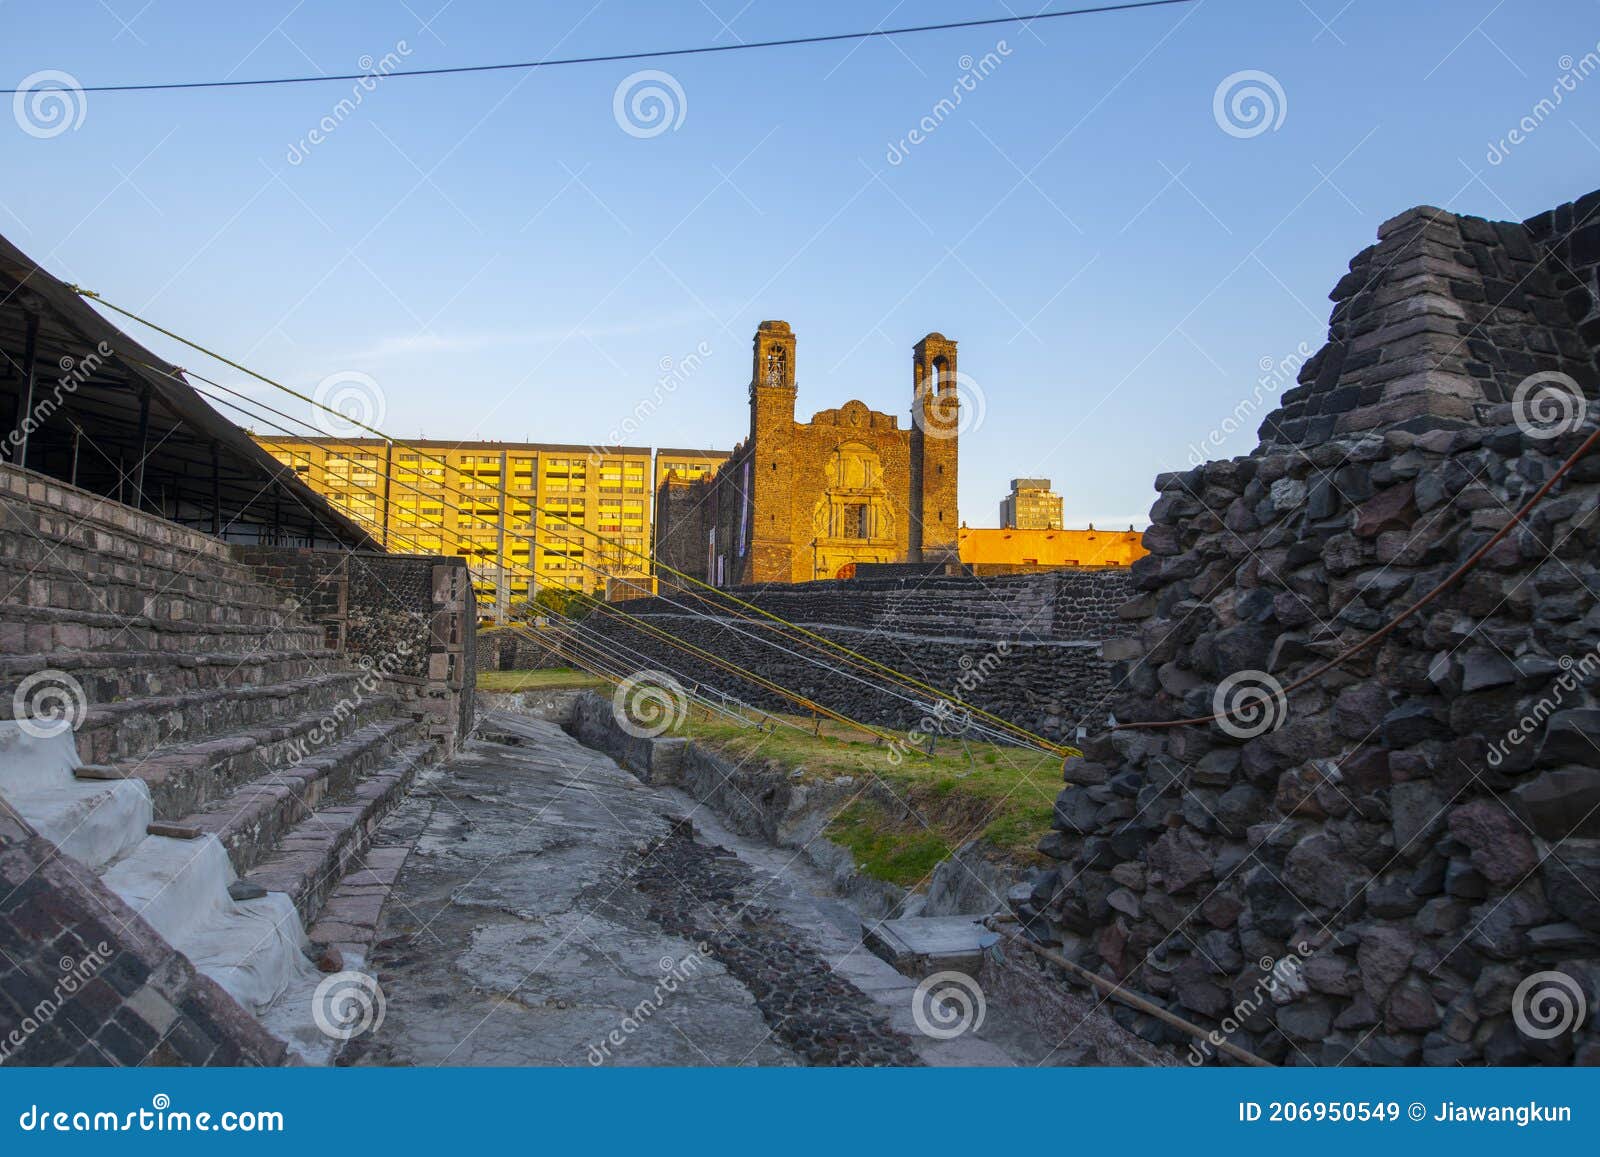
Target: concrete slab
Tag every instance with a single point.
(919, 946)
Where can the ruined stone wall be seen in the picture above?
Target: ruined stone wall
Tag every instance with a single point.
(85, 981)
(1036, 639)
(1370, 871)
(413, 617)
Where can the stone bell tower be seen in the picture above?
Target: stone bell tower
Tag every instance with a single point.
(935, 428)
(771, 496)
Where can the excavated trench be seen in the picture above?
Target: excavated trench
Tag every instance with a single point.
(559, 909)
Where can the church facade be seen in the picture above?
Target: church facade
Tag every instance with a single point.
(798, 501)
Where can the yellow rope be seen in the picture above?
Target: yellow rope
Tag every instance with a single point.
(905, 679)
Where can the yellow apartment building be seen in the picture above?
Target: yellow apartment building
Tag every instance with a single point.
(688, 465)
(525, 515)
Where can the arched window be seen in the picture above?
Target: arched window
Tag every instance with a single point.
(777, 365)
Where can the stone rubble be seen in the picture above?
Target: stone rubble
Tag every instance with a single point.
(1421, 833)
(696, 892)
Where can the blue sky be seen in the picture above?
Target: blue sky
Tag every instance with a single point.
(505, 261)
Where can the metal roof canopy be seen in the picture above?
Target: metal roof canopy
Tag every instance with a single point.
(94, 414)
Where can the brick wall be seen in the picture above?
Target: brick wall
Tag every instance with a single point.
(85, 981)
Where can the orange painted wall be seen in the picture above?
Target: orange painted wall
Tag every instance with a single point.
(986, 546)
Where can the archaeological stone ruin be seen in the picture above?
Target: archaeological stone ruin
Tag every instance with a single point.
(1331, 790)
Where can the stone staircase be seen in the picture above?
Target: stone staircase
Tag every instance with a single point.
(178, 730)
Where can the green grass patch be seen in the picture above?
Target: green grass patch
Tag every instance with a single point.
(1002, 794)
(886, 850)
(544, 679)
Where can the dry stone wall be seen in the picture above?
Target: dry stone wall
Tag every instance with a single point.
(410, 617)
(1389, 866)
(1027, 648)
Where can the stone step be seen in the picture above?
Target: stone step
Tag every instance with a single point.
(71, 589)
(95, 821)
(131, 728)
(254, 948)
(183, 778)
(329, 843)
(24, 562)
(107, 676)
(252, 820)
(41, 629)
(52, 515)
(348, 920)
